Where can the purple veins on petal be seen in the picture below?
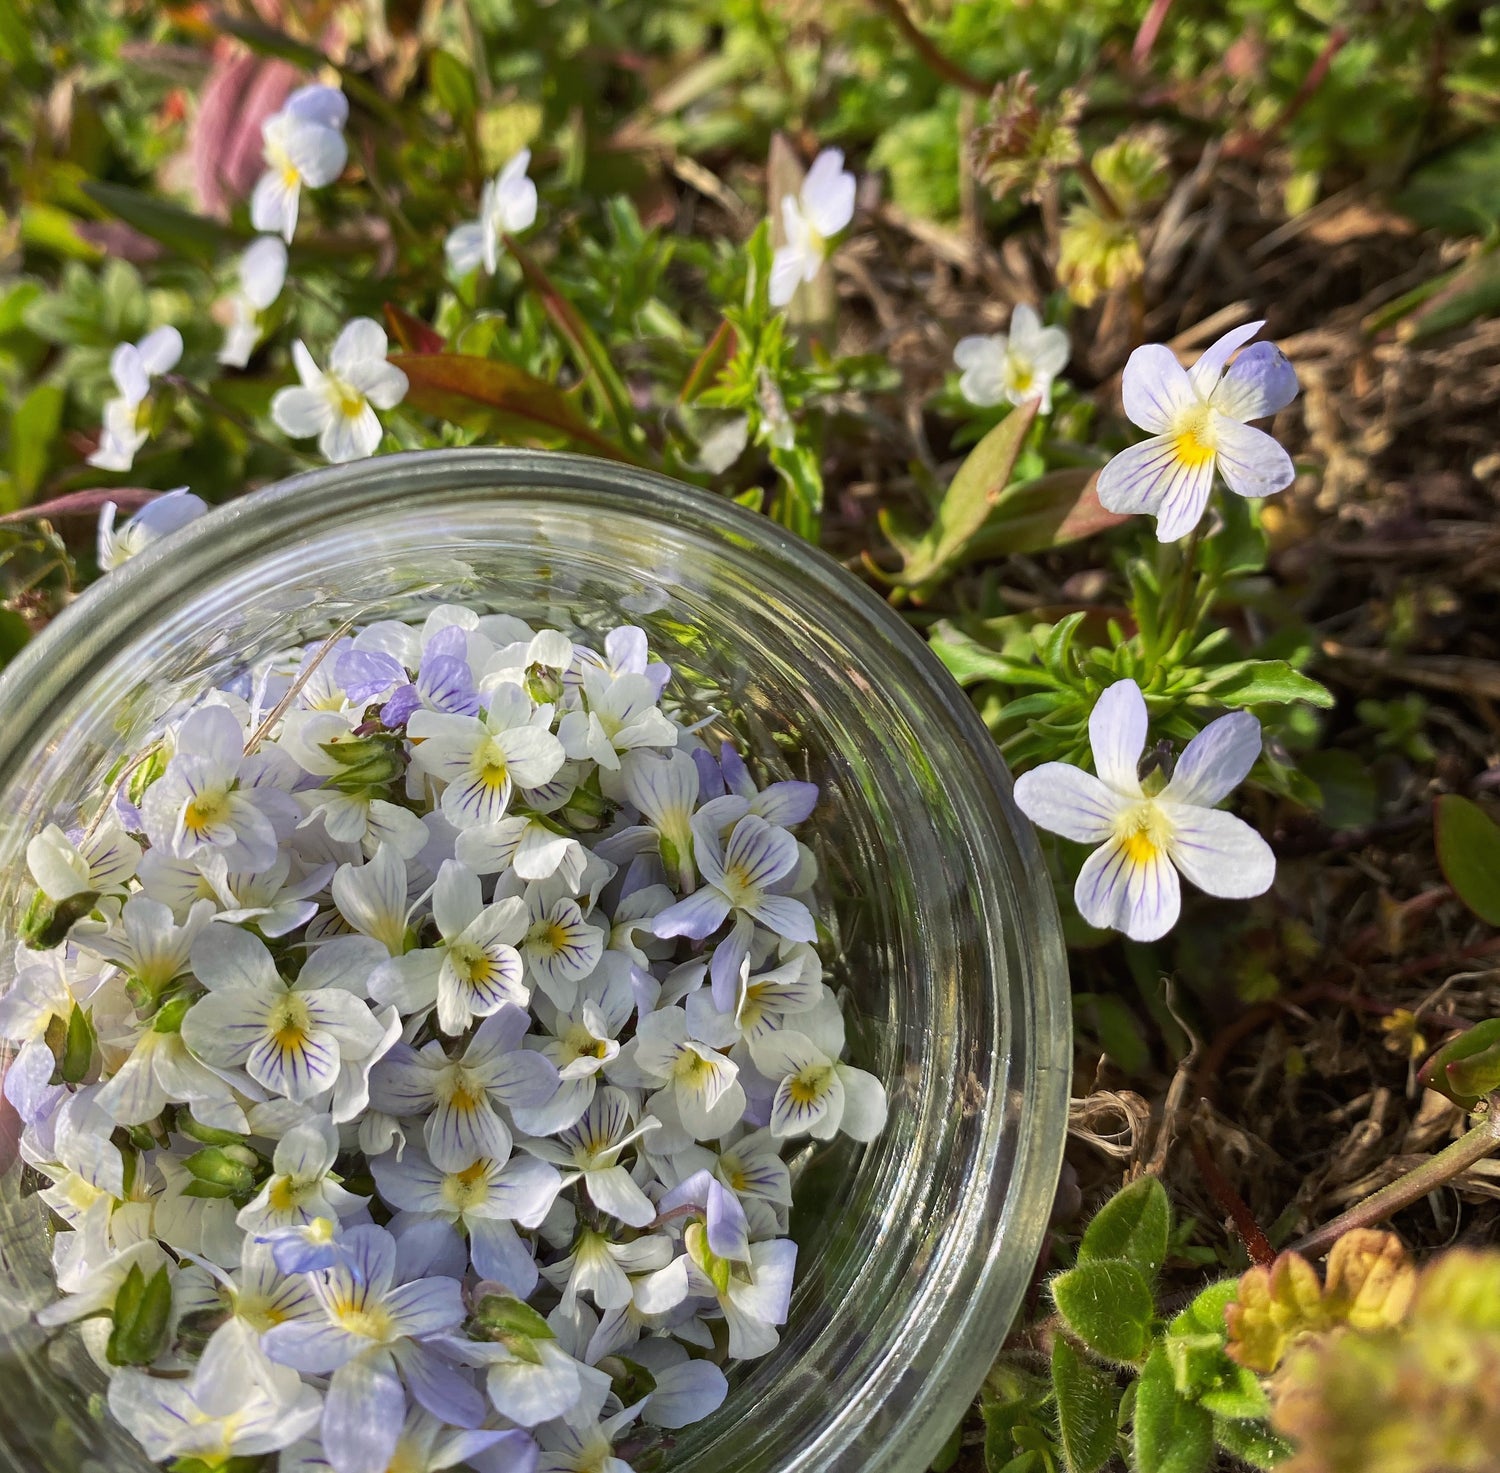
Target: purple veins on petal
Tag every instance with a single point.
(364, 674)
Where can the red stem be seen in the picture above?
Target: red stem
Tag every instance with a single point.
(1257, 1245)
(1145, 38)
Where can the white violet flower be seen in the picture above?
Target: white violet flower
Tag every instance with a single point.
(1129, 883)
(1014, 366)
(811, 219)
(339, 406)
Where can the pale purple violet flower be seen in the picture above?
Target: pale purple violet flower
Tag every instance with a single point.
(1197, 419)
(1129, 883)
(369, 1339)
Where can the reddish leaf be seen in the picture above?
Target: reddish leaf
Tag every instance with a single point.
(84, 503)
(411, 332)
(719, 350)
(453, 385)
(588, 352)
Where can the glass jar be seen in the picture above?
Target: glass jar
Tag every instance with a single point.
(914, 1251)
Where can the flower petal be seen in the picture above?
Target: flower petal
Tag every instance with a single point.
(362, 1417)
(1251, 462)
(1204, 374)
(426, 1306)
(1184, 495)
(1216, 761)
(1221, 854)
(1260, 382)
(828, 193)
(1156, 389)
(300, 413)
(1066, 800)
(1116, 892)
(1138, 478)
(1117, 734)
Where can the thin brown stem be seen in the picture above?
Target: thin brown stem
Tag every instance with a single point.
(1093, 186)
(1452, 1160)
(948, 69)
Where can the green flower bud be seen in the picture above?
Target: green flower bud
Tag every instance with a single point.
(141, 1310)
(373, 761)
(47, 923)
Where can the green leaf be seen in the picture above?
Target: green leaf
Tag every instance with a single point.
(142, 1308)
(1459, 191)
(1468, 850)
(971, 497)
(33, 431)
(1262, 682)
(15, 634)
(1252, 1441)
(1171, 1434)
(1088, 1409)
(589, 353)
(1346, 789)
(452, 385)
(1466, 1068)
(191, 236)
(1134, 1225)
(1048, 511)
(452, 84)
(1107, 1304)
(78, 1048)
(800, 508)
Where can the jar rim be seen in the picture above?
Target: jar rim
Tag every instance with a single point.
(1031, 1108)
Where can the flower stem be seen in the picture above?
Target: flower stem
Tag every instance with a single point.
(1480, 1142)
(944, 65)
(1184, 588)
(1093, 186)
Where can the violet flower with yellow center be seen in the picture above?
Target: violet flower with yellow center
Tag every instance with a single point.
(1198, 419)
(1130, 882)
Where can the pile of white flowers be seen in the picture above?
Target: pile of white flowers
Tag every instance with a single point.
(411, 1043)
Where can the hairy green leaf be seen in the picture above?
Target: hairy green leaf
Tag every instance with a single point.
(1252, 1441)
(1107, 1304)
(1088, 1409)
(1134, 1225)
(1171, 1434)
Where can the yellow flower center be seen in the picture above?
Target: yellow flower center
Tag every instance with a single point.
(372, 1321)
(205, 810)
(738, 885)
(289, 1022)
(286, 1194)
(581, 1044)
(489, 765)
(549, 936)
(1192, 438)
(347, 401)
(466, 1188)
(464, 1093)
(1143, 833)
(472, 964)
(691, 1067)
(807, 1086)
